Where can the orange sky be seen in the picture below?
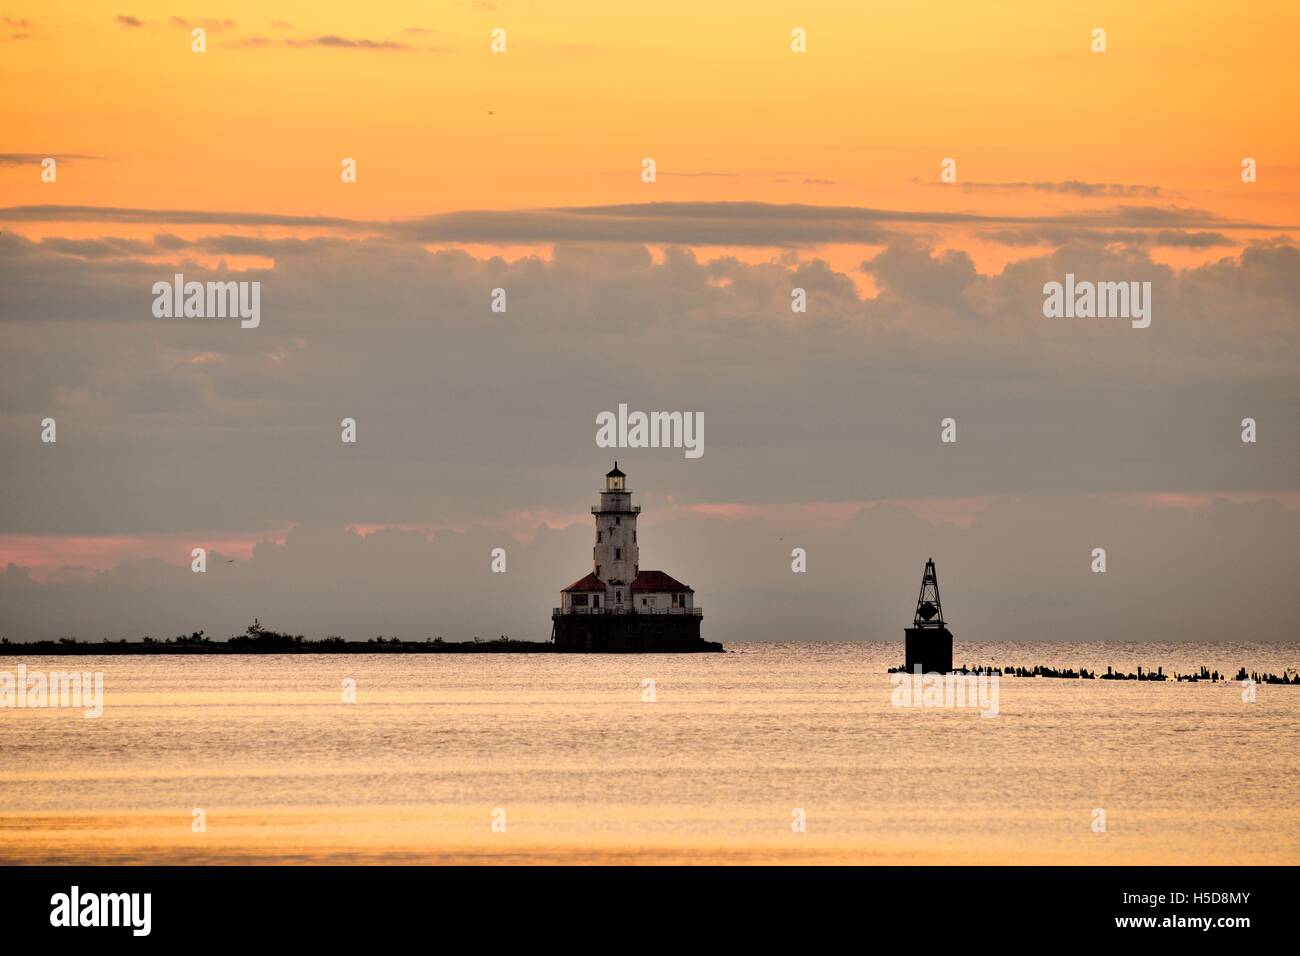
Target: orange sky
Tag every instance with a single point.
(585, 90)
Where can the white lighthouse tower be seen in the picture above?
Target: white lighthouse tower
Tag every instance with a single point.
(617, 606)
(615, 557)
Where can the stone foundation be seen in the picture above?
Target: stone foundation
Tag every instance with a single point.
(630, 633)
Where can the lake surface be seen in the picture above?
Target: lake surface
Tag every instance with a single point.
(564, 750)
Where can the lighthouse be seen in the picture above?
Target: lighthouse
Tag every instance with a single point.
(617, 606)
(616, 556)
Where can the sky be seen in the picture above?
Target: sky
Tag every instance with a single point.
(774, 170)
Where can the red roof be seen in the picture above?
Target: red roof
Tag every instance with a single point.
(589, 583)
(658, 581)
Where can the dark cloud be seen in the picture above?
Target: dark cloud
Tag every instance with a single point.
(129, 21)
(214, 24)
(350, 43)
(1069, 187)
(912, 271)
(762, 224)
(105, 248)
(687, 223)
(1167, 238)
(384, 327)
(113, 214)
(23, 159)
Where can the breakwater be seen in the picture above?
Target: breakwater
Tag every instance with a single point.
(1204, 674)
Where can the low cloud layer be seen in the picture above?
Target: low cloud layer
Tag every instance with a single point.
(199, 429)
(732, 224)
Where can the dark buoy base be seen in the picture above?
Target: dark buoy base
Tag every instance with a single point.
(929, 648)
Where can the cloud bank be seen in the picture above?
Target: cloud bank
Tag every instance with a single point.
(1072, 434)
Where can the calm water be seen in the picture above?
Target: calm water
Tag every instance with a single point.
(585, 771)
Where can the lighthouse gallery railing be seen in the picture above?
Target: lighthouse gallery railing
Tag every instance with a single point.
(690, 611)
